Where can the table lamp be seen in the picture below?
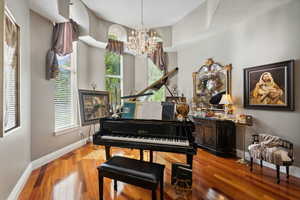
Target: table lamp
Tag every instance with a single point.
(226, 101)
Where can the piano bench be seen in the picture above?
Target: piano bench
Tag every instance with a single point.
(135, 172)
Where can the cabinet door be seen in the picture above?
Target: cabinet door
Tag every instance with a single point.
(209, 136)
(198, 134)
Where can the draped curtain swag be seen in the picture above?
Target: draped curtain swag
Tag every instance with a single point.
(62, 38)
(115, 46)
(11, 39)
(158, 57)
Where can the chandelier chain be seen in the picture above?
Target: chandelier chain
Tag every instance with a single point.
(142, 12)
(142, 41)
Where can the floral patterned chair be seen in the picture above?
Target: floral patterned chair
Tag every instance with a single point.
(271, 149)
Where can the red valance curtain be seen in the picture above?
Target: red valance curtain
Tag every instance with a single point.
(115, 46)
(62, 38)
(158, 57)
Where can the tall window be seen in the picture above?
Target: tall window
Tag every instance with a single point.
(65, 93)
(154, 73)
(113, 76)
(11, 69)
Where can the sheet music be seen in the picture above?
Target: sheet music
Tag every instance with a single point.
(148, 110)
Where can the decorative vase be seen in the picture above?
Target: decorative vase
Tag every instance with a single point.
(182, 110)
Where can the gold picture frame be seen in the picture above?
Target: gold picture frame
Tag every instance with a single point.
(205, 86)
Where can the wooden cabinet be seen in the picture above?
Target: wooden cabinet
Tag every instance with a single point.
(217, 136)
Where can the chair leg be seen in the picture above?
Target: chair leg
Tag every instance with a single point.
(153, 194)
(100, 187)
(115, 185)
(278, 173)
(287, 171)
(251, 164)
(261, 163)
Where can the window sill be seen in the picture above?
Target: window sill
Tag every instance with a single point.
(5, 134)
(68, 130)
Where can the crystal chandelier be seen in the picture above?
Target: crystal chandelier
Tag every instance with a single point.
(142, 41)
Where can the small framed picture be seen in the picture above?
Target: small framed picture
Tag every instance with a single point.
(93, 106)
(270, 87)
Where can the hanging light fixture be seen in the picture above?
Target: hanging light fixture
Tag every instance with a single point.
(142, 41)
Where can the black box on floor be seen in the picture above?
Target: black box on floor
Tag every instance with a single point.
(181, 172)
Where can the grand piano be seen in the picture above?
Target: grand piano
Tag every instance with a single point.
(153, 135)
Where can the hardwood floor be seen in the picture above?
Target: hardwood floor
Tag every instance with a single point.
(74, 177)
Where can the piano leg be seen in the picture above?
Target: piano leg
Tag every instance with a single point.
(151, 156)
(107, 152)
(189, 160)
(141, 154)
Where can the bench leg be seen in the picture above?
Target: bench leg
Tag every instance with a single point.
(107, 152)
(287, 171)
(151, 156)
(261, 163)
(141, 154)
(153, 194)
(115, 185)
(251, 164)
(162, 187)
(278, 173)
(100, 187)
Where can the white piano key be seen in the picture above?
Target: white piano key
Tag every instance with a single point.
(149, 140)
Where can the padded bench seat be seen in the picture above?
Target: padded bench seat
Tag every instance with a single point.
(139, 173)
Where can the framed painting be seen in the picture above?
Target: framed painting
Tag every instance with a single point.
(10, 72)
(93, 106)
(210, 82)
(270, 86)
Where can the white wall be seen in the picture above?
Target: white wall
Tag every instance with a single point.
(96, 67)
(43, 140)
(141, 73)
(267, 38)
(15, 146)
(128, 74)
(83, 63)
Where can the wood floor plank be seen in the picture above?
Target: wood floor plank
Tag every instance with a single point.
(74, 177)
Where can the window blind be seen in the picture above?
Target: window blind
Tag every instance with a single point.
(63, 99)
(11, 91)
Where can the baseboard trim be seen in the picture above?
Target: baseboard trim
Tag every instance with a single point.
(21, 183)
(56, 154)
(294, 171)
(40, 162)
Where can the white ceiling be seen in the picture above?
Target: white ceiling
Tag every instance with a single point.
(157, 13)
(47, 8)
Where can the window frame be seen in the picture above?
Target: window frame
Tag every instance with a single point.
(121, 76)
(74, 94)
(4, 132)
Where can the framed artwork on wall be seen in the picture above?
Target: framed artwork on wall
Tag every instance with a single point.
(210, 82)
(10, 71)
(93, 106)
(270, 87)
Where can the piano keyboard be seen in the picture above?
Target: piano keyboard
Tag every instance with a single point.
(167, 141)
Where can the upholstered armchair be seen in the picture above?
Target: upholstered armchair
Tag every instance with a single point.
(271, 149)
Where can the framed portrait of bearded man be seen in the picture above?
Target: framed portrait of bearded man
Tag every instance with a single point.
(270, 87)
